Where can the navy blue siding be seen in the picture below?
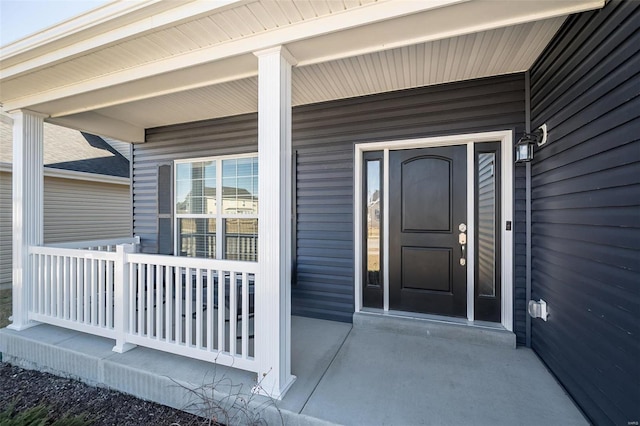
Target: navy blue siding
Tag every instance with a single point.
(586, 210)
(323, 137)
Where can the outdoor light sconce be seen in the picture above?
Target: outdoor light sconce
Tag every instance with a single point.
(538, 309)
(524, 147)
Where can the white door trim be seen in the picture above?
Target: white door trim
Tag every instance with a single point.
(505, 138)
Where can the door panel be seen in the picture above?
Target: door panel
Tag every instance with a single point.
(426, 208)
(427, 195)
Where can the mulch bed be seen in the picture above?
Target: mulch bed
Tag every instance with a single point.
(29, 388)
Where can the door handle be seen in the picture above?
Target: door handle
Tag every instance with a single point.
(462, 239)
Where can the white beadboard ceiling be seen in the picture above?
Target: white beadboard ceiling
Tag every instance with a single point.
(173, 62)
(247, 19)
(500, 51)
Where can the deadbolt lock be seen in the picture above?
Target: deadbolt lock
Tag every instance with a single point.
(462, 238)
(462, 227)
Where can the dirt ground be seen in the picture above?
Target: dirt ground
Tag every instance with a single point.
(5, 307)
(28, 388)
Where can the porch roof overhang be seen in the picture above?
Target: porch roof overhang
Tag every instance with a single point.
(128, 66)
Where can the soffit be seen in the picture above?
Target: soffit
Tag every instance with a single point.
(203, 66)
(229, 24)
(488, 53)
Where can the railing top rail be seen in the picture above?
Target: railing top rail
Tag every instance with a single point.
(95, 243)
(192, 262)
(86, 254)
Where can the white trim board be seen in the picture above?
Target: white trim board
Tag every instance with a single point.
(75, 175)
(505, 138)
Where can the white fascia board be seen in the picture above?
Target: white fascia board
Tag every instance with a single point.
(75, 175)
(461, 20)
(91, 19)
(329, 37)
(364, 15)
(84, 176)
(94, 123)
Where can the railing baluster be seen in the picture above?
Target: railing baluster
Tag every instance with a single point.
(179, 297)
(65, 288)
(94, 292)
(40, 285)
(59, 286)
(140, 299)
(87, 291)
(221, 310)
(198, 308)
(189, 306)
(110, 266)
(149, 292)
(233, 313)
(159, 301)
(72, 285)
(245, 315)
(101, 293)
(168, 305)
(210, 310)
(132, 297)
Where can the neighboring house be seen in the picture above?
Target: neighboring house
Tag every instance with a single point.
(86, 189)
(317, 102)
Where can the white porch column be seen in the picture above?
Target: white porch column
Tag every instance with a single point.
(27, 207)
(273, 286)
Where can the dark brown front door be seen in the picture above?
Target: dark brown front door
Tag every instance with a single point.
(427, 198)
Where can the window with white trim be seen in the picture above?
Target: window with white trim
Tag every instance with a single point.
(216, 205)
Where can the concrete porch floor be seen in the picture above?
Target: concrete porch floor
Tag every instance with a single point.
(374, 373)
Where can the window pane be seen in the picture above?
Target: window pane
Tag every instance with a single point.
(197, 238)
(374, 207)
(239, 191)
(183, 171)
(486, 225)
(241, 239)
(183, 192)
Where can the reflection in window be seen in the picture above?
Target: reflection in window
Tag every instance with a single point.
(486, 224)
(197, 237)
(206, 216)
(374, 208)
(241, 239)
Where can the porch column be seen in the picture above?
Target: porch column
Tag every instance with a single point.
(27, 175)
(273, 285)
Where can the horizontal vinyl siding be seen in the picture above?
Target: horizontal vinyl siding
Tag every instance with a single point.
(76, 210)
(73, 210)
(5, 230)
(323, 137)
(586, 210)
(226, 136)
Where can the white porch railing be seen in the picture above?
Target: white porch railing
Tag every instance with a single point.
(100, 245)
(199, 308)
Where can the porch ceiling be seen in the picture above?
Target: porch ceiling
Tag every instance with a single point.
(195, 60)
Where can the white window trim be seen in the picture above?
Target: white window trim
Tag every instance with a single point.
(505, 138)
(218, 216)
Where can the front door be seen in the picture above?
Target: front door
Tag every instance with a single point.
(427, 230)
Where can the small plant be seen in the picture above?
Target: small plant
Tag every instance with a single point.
(221, 402)
(38, 416)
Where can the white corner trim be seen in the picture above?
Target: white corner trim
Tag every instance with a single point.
(73, 174)
(505, 137)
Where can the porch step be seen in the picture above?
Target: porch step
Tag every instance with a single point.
(425, 326)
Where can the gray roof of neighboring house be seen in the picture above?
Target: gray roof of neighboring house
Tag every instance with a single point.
(69, 149)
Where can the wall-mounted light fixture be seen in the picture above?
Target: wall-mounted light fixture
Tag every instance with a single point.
(524, 147)
(538, 309)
